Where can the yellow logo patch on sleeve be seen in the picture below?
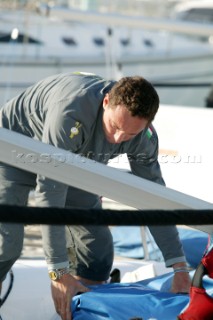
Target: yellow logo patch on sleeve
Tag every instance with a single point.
(74, 131)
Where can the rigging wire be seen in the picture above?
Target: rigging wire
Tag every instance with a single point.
(2, 301)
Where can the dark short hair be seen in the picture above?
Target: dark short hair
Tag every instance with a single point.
(137, 94)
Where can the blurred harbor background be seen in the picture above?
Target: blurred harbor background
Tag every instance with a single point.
(151, 8)
(170, 47)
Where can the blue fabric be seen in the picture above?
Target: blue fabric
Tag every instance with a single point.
(194, 243)
(131, 246)
(123, 302)
(147, 299)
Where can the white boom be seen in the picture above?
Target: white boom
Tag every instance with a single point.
(69, 168)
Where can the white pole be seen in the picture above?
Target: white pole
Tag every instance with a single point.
(25, 153)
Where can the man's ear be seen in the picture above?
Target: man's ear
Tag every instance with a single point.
(106, 101)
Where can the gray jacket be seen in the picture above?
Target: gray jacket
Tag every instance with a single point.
(66, 111)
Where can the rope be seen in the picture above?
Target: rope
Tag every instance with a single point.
(64, 216)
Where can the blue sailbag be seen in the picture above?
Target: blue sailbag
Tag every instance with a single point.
(148, 299)
(128, 301)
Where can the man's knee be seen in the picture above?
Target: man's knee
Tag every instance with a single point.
(11, 241)
(91, 252)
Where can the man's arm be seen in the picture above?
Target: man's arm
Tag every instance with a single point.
(168, 241)
(50, 193)
(144, 163)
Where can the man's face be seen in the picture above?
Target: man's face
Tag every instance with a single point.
(119, 125)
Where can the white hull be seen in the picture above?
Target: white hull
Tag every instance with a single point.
(160, 57)
(18, 75)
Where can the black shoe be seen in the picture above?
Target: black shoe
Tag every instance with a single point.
(115, 276)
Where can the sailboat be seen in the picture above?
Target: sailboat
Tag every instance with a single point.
(34, 46)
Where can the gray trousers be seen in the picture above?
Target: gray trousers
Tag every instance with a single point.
(90, 248)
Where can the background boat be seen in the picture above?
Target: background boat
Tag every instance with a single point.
(33, 46)
(195, 11)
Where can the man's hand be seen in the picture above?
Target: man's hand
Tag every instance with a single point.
(63, 291)
(181, 281)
